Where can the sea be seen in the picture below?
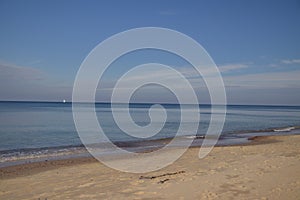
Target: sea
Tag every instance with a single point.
(36, 131)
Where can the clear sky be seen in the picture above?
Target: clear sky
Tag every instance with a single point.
(255, 44)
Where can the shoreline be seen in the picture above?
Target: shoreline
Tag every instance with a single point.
(29, 168)
(268, 168)
(30, 155)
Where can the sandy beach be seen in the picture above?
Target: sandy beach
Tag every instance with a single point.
(266, 169)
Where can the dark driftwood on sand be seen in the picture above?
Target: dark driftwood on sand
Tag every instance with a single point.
(158, 176)
(163, 181)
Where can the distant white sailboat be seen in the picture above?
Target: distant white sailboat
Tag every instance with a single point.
(64, 101)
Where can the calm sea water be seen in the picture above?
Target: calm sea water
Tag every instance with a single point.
(40, 125)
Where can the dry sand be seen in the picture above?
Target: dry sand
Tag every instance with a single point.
(267, 169)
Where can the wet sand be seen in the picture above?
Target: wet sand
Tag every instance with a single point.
(269, 168)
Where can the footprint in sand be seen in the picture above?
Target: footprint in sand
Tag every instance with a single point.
(85, 185)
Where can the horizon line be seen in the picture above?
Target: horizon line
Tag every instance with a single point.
(168, 103)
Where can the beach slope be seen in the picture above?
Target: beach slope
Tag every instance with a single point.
(269, 168)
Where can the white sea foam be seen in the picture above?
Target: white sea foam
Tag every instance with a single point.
(195, 137)
(287, 129)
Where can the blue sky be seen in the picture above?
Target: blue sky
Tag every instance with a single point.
(255, 44)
